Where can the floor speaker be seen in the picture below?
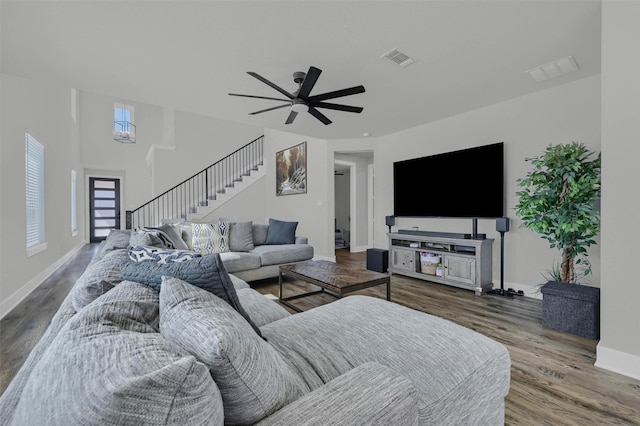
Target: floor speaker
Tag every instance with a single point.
(378, 260)
(502, 224)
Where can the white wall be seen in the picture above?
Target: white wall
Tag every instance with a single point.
(200, 141)
(45, 112)
(314, 210)
(619, 346)
(526, 125)
(100, 152)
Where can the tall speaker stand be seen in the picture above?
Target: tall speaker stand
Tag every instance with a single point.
(501, 291)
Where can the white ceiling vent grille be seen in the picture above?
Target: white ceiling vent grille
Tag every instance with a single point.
(399, 58)
(553, 69)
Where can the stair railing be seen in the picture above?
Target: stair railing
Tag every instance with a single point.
(199, 189)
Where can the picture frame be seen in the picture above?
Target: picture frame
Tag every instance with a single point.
(291, 170)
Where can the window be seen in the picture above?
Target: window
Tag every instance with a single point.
(34, 178)
(124, 130)
(74, 204)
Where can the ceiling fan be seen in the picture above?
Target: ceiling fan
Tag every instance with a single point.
(301, 101)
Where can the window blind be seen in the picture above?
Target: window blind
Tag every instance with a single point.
(34, 156)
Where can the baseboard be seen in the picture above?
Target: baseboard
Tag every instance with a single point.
(19, 295)
(328, 258)
(618, 362)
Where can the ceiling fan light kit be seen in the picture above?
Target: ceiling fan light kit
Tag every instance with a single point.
(301, 101)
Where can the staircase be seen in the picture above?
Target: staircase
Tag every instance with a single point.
(202, 193)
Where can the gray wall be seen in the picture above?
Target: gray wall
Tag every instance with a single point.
(619, 346)
(45, 112)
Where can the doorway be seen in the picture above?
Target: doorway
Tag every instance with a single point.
(104, 207)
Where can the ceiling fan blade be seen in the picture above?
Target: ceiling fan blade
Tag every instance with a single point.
(320, 116)
(338, 107)
(259, 97)
(337, 94)
(269, 109)
(268, 83)
(291, 117)
(309, 82)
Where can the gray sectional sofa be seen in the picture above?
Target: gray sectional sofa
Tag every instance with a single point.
(167, 351)
(251, 256)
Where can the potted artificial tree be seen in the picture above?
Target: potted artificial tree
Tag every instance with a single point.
(558, 200)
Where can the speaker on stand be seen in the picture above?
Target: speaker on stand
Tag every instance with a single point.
(390, 221)
(502, 226)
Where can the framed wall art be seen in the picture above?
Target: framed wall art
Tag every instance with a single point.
(291, 170)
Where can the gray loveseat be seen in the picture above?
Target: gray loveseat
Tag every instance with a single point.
(119, 352)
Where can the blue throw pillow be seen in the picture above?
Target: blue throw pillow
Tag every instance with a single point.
(206, 272)
(280, 232)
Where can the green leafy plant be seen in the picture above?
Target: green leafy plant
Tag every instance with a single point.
(558, 201)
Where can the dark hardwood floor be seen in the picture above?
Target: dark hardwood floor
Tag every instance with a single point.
(553, 379)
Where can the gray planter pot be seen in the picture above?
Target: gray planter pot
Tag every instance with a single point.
(571, 308)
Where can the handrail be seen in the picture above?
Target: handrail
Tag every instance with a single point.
(197, 190)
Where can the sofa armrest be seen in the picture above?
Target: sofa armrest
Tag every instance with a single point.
(302, 240)
(370, 394)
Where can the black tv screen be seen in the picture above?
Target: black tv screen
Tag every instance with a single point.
(460, 184)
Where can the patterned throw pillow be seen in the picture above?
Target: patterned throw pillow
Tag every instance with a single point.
(210, 238)
(159, 255)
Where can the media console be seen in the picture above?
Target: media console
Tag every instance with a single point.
(464, 262)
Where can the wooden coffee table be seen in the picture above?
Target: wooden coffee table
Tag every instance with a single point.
(336, 280)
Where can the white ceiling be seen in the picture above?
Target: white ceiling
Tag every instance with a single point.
(189, 55)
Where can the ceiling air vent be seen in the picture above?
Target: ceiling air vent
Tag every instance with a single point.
(399, 58)
(553, 69)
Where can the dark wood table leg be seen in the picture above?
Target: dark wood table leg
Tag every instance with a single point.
(389, 290)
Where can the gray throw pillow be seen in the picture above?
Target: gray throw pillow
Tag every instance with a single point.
(241, 236)
(280, 232)
(175, 235)
(206, 272)
(252, 376)
(117, 239)
(109, 366)
(98, 278)
(146, 239)
(259, 233)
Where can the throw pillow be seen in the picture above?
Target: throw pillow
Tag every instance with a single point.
(253, 378)
(241, 236)
(280, 232)
(109, 366)
(174, 234)
(210, 238)
(98, 278)
(141, 237)
(117, 239)
(206, 272)
(159, 255)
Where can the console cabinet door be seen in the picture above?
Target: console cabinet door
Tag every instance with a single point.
(460, 269)
(403, 259)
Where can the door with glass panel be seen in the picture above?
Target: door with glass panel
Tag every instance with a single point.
(104, 207)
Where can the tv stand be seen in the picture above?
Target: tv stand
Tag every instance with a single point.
(465, 262)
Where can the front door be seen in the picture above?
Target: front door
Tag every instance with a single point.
(104, 207)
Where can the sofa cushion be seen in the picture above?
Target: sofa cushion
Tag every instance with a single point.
(259, 233)
(210, 238)
(284, 253)
(252, 377)
(412, 343)
(160, 255)
(110, 366)
(237, 282)
(206, 272)
(281, 232)
(241, 236)
(98, 278)
(240, 261)
(262, 310)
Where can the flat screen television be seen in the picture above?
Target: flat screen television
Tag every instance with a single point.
(468, 183)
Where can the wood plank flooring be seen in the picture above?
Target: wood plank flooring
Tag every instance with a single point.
(553, 379)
